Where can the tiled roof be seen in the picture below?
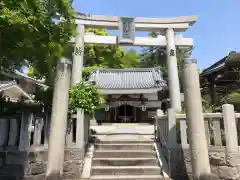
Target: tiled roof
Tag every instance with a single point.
(129, 78)
(12, 90)
(214, 68)
(6, 84)
(18, 75)
(233, 57)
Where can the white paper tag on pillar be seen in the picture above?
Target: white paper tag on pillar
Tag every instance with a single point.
(127, 30)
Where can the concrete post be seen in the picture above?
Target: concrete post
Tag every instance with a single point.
(159, 113)
(173, 79)
(37, 131)
(4, 130)
(172, 133)
(46, 128)
(195, 120)
(30, 126)
(24, 140)
(230, 128)
(76, 78)
(58, 120)
(13, 132)
(80, 129)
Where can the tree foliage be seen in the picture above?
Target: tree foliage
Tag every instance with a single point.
(156, 57)
(85, 96)
(153, 56)
(131, 59)
(232, 98)
(88, 70)
(104, 55)
(30, 35)
(95, 56)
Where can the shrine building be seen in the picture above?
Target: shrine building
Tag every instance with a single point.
(132, 94)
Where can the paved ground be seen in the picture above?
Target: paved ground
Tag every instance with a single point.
(122, 131)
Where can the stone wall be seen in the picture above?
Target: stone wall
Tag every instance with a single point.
(222, 167)
(17, 165)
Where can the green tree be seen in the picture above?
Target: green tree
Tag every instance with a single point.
(30, 34)
(154, 57)
(88, 70)
(131, 59)
(104, 55)
(85, 96)
(95, 56)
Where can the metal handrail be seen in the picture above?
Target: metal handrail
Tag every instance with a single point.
(164, 144)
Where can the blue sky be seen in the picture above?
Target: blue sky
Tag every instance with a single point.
(216, 32)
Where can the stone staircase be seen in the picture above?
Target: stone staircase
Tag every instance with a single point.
(125, 159)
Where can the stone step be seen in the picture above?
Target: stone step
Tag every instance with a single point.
(126, 170)
(120, 141)
(128, 177)
(124, 162)
(124, 154)
(130, 146)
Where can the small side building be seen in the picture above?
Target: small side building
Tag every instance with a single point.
(221, 78)
(15, 88)
(26, 83)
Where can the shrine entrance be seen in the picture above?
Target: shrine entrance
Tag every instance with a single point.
(125, 113)
(125, 109)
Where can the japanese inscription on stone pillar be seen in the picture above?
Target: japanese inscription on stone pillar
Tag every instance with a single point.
(127, 30)
(172, 52)
(78, 51)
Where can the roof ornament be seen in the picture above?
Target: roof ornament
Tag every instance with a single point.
(156, 80)
(97, 76)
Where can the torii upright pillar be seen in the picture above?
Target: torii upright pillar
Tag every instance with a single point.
(77, 69)
(173, 79)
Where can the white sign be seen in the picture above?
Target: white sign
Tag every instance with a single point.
(127, 30)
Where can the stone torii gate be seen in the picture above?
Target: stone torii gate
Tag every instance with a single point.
(128, 26)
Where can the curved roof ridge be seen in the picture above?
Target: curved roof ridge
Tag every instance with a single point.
(124, 69)
(128, 78)
(154, 75)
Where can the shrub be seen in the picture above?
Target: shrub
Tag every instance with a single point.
(85, 96)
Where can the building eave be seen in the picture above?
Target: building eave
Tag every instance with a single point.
(12, 90)
(19, 75)
(230, 60)
(127, 79)
(130, 91)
